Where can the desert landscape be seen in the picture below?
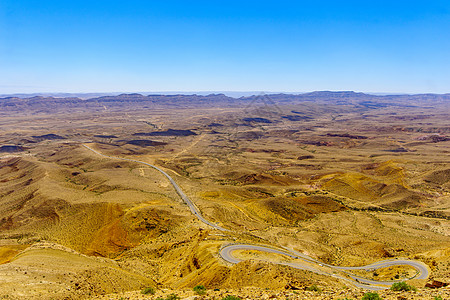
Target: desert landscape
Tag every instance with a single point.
(102, 198)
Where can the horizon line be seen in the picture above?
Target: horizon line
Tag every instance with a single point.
(206, 92)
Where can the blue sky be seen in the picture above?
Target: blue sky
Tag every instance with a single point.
(290, 46)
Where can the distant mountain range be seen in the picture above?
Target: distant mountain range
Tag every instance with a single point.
(105, 102)
(234, 94)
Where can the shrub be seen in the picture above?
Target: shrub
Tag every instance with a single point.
(402, 286)
(148, 291)
(230, 297)
(173, 297)
(437, 298)
(200, 289)
(371, 296)
(313, 288)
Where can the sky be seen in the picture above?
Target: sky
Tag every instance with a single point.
(80, 46)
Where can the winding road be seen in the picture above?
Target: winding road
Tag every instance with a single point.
(303, 261)
(180, 192)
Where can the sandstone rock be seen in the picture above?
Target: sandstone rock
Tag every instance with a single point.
(436, 284)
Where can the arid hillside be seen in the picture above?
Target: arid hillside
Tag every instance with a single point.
(346, 178)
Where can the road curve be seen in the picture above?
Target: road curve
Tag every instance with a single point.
(226, 252)
(180, 192)
(304, 263)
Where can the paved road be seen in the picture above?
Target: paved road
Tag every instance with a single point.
(304, 262)
(183, 196)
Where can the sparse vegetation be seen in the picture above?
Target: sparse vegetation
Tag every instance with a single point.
(402, 286)
(148, 291)
(231, 297)
(200, 289)
(371, 296)
(173, 296)
(313, 288)
(437, 297)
